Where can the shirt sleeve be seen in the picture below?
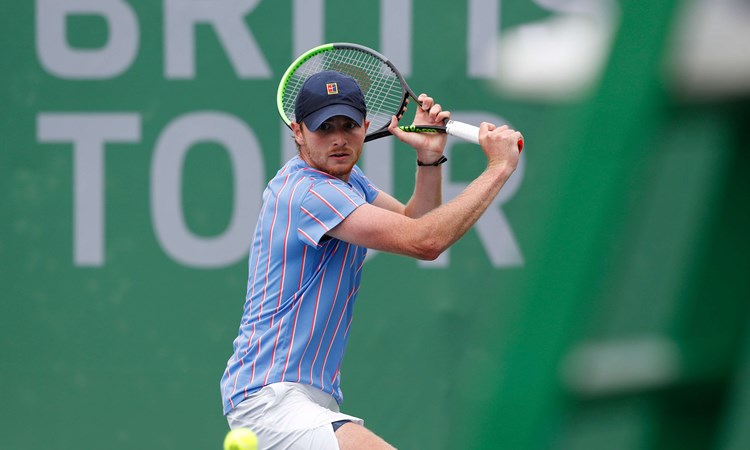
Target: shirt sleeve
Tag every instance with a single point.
(325, 205)
(365, 185)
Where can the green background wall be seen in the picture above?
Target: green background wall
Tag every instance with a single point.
(602, 302)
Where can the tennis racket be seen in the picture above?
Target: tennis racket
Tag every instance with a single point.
(385, 90)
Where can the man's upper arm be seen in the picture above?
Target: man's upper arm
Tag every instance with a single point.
(380, 228)
(386, 201)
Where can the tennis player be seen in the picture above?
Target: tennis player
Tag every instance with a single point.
(320, 214)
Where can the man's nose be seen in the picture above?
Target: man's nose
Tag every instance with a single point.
(339, 137)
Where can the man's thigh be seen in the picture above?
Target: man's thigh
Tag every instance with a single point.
(352, 436)
(289, 416)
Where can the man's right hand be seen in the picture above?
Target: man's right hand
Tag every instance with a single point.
(500, 144)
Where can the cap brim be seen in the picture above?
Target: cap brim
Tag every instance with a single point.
(315, 119)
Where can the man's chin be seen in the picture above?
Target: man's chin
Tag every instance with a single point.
(340, 170)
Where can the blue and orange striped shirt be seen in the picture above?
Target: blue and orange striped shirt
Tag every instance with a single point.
(301, 285)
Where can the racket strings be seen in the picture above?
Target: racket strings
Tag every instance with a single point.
(384, 94)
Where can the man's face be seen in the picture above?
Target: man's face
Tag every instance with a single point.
(333, 148)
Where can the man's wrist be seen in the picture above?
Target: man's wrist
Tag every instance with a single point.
(501, 169)
(434, 163)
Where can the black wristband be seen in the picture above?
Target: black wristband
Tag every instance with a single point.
(434, 164)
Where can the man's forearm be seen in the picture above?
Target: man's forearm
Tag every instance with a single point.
(428, 191)
(449, 222)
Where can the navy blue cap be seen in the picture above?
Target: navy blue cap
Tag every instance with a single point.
(327, 94)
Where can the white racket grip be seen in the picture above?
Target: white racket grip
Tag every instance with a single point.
(463, 130)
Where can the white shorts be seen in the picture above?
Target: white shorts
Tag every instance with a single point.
(290, 416)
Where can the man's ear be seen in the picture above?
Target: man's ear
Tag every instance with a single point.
(297, 130)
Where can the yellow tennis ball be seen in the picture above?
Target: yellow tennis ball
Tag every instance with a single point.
(240, 439)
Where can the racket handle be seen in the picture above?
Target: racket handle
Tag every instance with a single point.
(468, 132)
(463, 131)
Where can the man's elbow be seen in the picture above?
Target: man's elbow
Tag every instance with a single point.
(429, 249)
